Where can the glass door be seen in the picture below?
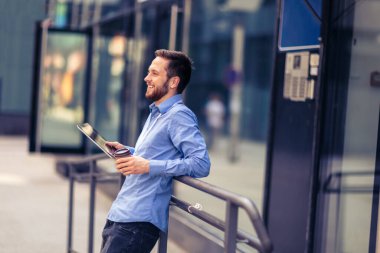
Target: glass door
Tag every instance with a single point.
(348, 198)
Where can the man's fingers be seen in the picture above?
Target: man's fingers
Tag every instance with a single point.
(123, 160)
(122, 164)
(115, 144)
(131, 165)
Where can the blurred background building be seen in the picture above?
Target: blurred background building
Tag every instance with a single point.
(299, 83)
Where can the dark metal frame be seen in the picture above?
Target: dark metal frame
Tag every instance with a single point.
(232, 235)
(333, 97)
(334, 184)
(35, 106)
(282, 140)
(375, 197)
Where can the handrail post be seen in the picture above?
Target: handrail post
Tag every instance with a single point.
(162, 242)
(92, 206)
(71, 207)
(231, 228)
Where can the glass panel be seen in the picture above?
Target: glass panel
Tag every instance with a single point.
(231, 45)
(109, 63)
(63, 86)
(153, 33)
(123, 50)
(348, 210)
(108, 69)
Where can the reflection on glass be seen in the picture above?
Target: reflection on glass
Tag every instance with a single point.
(62, 91)
(348, 215)
(231, 46)
(109, 69)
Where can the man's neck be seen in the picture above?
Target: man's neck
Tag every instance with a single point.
(164, 98)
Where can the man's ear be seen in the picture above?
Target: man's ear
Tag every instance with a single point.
(174, 82)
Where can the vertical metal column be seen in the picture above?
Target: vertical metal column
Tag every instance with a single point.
(163, 243)
(173, 27)
(231, 228)
(186, 26)
(92, 206)
(44, 37)
(375, 221)
(136, 79)
(71, 208)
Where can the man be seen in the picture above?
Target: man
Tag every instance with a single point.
(215, 118)
(170, 144)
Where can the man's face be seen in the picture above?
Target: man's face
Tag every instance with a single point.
(157, 80)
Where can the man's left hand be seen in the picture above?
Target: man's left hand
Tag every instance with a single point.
(132, 165)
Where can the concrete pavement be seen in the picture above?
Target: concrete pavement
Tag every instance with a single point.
(34, 204)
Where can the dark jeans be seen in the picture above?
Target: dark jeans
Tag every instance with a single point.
(129, 237)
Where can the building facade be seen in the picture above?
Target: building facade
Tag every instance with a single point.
(299, 82)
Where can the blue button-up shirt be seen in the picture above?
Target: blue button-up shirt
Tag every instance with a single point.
(174, 146)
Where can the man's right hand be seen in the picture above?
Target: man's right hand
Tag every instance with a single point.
(114, 144)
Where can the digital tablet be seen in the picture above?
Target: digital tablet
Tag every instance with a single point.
(96, 138)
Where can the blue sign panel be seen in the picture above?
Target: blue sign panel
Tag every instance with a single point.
(300, 24)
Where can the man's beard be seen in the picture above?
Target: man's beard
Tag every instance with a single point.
(157, 94)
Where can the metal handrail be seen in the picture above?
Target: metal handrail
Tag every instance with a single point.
(234, 201)
(241, 236)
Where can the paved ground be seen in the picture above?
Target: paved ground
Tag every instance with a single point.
(34, 201)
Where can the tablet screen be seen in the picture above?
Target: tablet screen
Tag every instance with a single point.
(94, 136)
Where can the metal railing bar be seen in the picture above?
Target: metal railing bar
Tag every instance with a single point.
(163, 242)
(237, 199)
(204, 216)
(352, 190)
(92, 206)
(71, 208)
(242, 237)
(333, 183)
(100, 177)
(223, 194)
(84, 160)
(231, 227)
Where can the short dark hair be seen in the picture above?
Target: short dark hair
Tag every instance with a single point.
(179, 65)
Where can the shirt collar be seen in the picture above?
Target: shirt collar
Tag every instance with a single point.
(167, 104)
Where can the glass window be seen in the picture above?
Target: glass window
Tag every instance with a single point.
(108, 77)
(349, 207)
(231, 45)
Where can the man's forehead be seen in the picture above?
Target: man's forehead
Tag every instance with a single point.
(159, 64)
